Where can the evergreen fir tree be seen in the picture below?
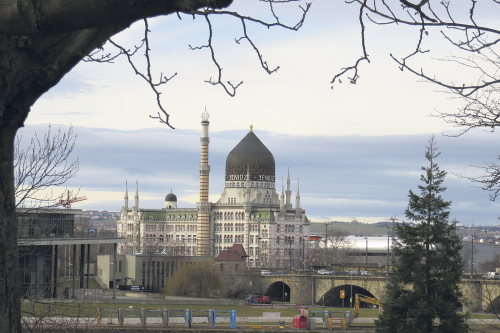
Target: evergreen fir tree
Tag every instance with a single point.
(423, 294)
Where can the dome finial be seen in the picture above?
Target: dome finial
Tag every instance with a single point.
(251, 129)
(205, 115)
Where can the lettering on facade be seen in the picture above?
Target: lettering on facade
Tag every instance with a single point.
(263, 178)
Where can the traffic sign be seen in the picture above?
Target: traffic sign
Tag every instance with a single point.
(342, 294)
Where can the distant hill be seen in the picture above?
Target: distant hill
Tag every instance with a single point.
(355, 229)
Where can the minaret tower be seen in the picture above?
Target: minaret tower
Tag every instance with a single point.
(126, 197)
(298, 211)
(282, 200)
(136, 200)
(288, 193)
(203, 235)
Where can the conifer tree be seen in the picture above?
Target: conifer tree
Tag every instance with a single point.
(423, 294)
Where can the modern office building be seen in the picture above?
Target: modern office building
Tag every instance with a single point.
(40, 233)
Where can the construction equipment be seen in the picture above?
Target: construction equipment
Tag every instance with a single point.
(361, 298)
(67, 203)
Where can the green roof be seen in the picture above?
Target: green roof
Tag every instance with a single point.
(265, 215)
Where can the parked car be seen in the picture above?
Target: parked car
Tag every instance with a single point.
(353, 272)
(492, 276)
(367, 273)
(334, 272)
(323, 271)
(265, 272)
(281, 272)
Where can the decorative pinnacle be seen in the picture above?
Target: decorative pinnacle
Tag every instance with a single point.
(251, 129)
(205, 115)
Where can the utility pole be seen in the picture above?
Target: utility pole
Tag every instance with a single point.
(325, 243)
(366, 255)
(472, 258)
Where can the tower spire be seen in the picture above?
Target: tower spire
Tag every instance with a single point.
(282, 197)
(136, 197)
(288, 204)
(297, 198)
(126, 195)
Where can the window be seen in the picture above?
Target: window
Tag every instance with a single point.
(278, 228)
(222, 268)
(235, 267)
(189, 238)
(251, 251)
(251, 239)
(177, 238)
(278, 240)
(194, 238)
(300, 229)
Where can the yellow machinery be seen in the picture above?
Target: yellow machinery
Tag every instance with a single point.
(360, 298)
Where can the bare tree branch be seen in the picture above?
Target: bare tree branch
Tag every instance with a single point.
(43, 164)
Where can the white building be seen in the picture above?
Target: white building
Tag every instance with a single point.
(250, 212)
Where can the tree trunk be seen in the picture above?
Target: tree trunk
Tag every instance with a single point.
(10, 304)
(29, 66)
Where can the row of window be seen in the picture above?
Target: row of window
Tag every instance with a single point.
(229, 227)
(170, 228)
(229, 216)
(170, 238)
(288, 240)
(252, 184)
(238, 239)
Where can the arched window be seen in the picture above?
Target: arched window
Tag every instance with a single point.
(278, 240)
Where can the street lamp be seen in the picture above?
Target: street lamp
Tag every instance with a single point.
(366, 254)
(472, 258)
(350, 300)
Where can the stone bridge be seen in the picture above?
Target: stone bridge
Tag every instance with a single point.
(316, 289)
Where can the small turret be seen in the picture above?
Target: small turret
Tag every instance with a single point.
(136, 197)
(288, 193)
(282, 200)
(125, 205)
(297, 199)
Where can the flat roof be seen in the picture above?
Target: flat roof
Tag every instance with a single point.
(69, 241)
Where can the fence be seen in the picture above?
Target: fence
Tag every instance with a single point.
(164, 317)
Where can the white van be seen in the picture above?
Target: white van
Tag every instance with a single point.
(492, 276)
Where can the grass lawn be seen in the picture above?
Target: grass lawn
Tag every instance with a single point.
(86, 309)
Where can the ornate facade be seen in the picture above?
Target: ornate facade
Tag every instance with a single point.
(249, 212)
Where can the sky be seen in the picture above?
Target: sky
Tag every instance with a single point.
(357, 149)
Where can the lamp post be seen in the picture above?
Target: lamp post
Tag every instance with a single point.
(472, 258)
(350, 300)
(366, 254)
(388, 247)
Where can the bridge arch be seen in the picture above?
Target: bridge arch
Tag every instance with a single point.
(332, 296)
(279, 291)
(372, 287)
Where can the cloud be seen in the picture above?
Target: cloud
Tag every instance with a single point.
(367, 177)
